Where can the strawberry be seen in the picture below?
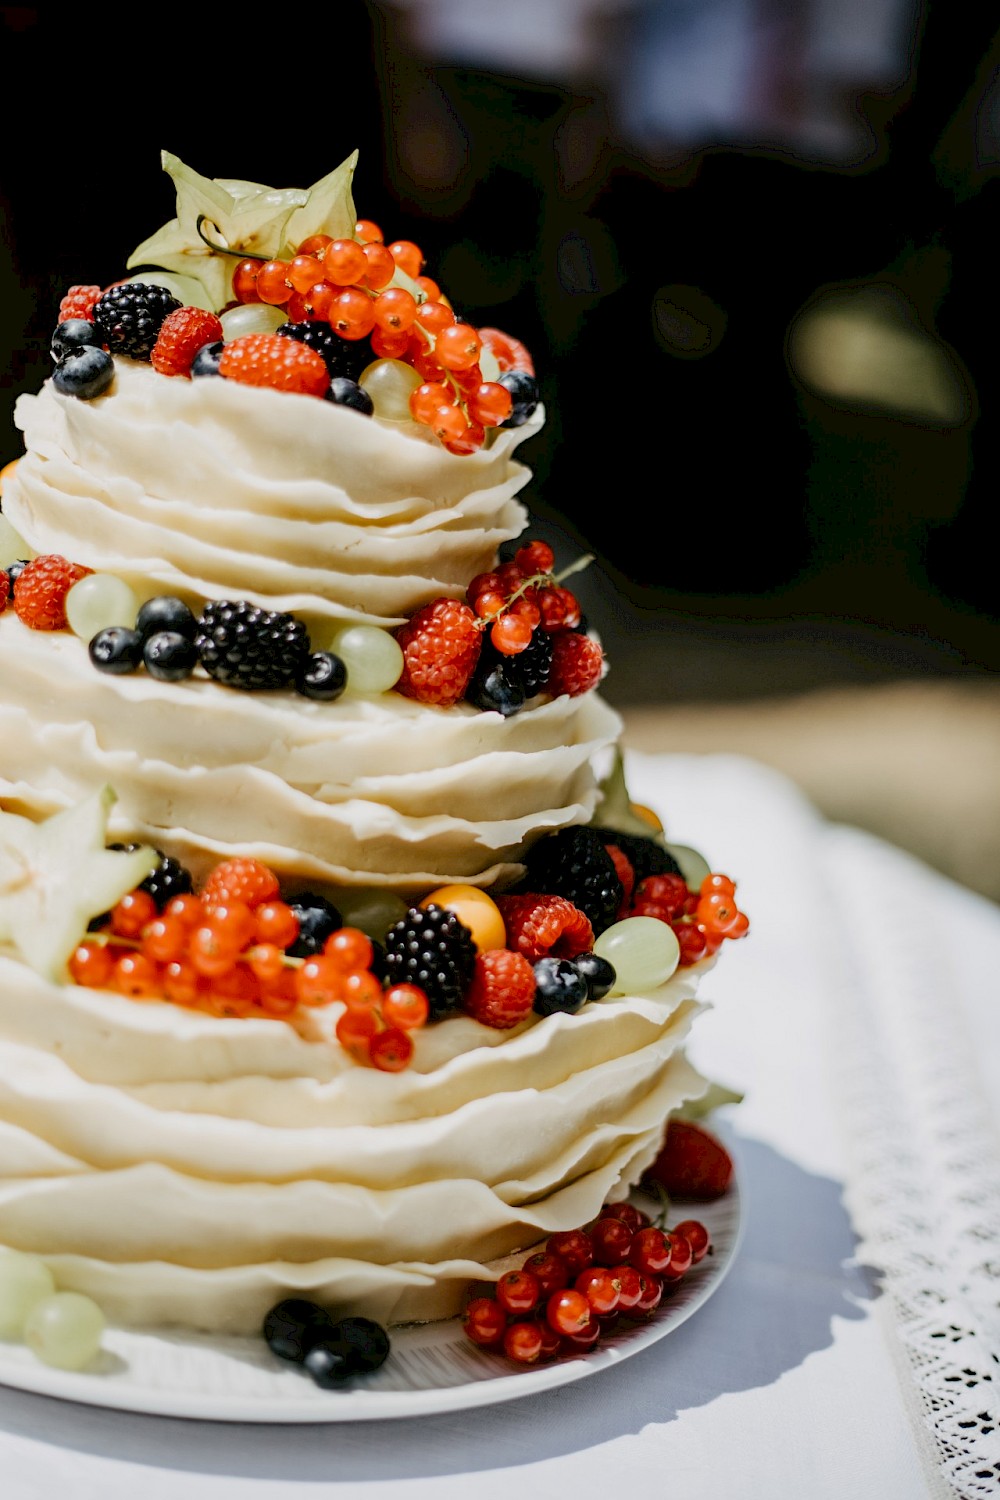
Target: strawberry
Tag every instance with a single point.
(577, 664)
(247, 881)
(692, 1163)
(284, 364)
(441, 645)
(41, 589)
(502, 991)
(541, 925)
(182, 333)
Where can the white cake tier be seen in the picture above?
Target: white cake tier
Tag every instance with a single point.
(369, 790)
(180, 1167)
(210, 489)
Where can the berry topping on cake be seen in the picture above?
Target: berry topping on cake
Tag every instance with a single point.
(559, 986)
(441, 643)
(502, 989)
(577, 664)
(574, 863)
(130, 316)
(247, 881)
(247, 647)
(79, 302)
(341, 356)
(86, 373)
(41, 589)
(182, 334)
(266, 359)
(431, 948)
(538, 925)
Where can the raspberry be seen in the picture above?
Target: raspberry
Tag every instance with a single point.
(502, 990)
(248, 881)
(283, 364)
(182, 334)
(668, 893)
(79, 303)
(441, 645)
(539, 925)
(577, 664)
(41, 589)
(4, 589)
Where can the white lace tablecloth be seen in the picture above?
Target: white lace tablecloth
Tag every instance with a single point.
(853, 1349)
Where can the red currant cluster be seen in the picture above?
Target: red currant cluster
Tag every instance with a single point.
(566, 1296)
(346, 283)
(224, 952)
(701, 920)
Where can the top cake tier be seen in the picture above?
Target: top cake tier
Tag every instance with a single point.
(211, 489)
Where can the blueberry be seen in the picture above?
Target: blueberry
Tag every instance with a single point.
(293, 1326)
(16, 569)
(344, 392)
(560, 986)
(72, 335)
(496, 692)
(169, 655)
(329, 1368)
(85, 374)
(524, 394)
(324, 676)
(363, 1342)
(116, 649)
(318, 918)
(599, 974)
(206, 361)
(166, 612)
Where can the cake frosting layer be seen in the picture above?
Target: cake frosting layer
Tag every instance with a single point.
(180, 1167)
(373, 790)
(209, 489)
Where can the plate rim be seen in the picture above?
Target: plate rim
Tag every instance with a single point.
(356, 1405)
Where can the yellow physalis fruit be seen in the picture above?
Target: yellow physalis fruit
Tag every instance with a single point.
(478, 911)
(648, 816)
(7, 471)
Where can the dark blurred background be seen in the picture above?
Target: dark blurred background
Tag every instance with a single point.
(750, 244)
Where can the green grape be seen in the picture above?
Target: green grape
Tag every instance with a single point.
(390, 383)
(98, 601)
(488, 364)
(64, 1330)
(12, 545)
(373, 657)
(372, 910)
(694, 867)
(25, 1280)
(643, 951)
(251, 317)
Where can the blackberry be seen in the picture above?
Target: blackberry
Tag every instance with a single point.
(646, 856)
(432, 948)
(505, 683)
(574, 863)
(347, 357)
(130, 316)
(169, 879)
(247, 647)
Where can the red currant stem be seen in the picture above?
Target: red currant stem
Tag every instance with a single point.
(537, 581)
(660, 1221)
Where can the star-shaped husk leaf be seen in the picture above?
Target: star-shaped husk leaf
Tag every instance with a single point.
(55, 876)
(223, 220)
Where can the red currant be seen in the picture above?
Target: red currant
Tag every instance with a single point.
(601, 1289)
(484, 1321)
(574, 1247)
(519, 1291)
(522, 1342)
(344, 262)
(697, 1237)
(612, 1241)
(651, 1251)
(551, 1270)
(567, 1311)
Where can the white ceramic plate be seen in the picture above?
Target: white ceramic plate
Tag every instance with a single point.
(431, 1368)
